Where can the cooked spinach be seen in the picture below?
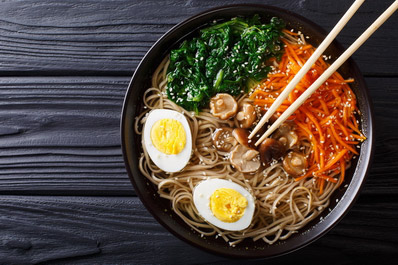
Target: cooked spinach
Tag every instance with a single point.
(225, 57)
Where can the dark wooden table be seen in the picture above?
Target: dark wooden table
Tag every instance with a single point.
(65, 197)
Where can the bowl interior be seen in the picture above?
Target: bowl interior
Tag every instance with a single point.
(160, 208)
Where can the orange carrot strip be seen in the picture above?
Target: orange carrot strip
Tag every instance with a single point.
(327, 178)
(341, 141)
(342, 171)
(322, 183)
(332, 162)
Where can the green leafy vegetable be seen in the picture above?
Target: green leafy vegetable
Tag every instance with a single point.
(225, 57)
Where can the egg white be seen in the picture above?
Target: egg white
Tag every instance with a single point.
(167, 163)
(201, 198)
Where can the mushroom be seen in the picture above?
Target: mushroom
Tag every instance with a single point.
(223, 106)
(223, 139)
(295, 163)
(271, 149)
(242, 136)
(244, 159)
(246, 115)
(286, 135)
(273, 118)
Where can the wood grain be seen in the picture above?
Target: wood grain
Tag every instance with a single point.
(103, 230)
(110, 37)
(383, 174)
(62, 134)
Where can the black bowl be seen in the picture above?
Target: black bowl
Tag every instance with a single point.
(160, 208)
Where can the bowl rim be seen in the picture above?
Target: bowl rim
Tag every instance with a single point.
(361, 172)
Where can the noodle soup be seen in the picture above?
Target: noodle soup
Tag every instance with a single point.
(290, 175)
(206, 200)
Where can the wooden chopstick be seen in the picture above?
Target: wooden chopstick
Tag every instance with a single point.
(299, 101)
(307, 66)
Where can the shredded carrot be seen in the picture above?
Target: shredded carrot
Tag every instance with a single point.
(327, 119)
(327, 178)
(333, 161)
(342, 175)
(321, 185)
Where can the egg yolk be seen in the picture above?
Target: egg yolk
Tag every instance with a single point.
(168, 136)
(228, 205)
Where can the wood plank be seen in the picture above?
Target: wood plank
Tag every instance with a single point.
(101, 230)
(60, 135)
(110, 37)
(384, 94)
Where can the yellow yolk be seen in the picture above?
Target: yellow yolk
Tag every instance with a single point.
(168, 136)
(227, 205)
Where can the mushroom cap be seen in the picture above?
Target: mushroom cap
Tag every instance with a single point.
(242, 136)
(223, 139)
(295, 163)
(271, 149)
(244, 159)
(246, 115)
(223, 106)
(286, 135)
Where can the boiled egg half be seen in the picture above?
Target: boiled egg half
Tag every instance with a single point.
(224, 204)
(168, 140)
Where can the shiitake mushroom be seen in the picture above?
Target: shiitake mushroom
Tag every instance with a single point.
(271, 149)
(295, 163)
(223, 139)
(244, 159)
(246, 115)
(223, 106)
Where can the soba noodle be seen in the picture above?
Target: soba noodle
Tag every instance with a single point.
(283, 205)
